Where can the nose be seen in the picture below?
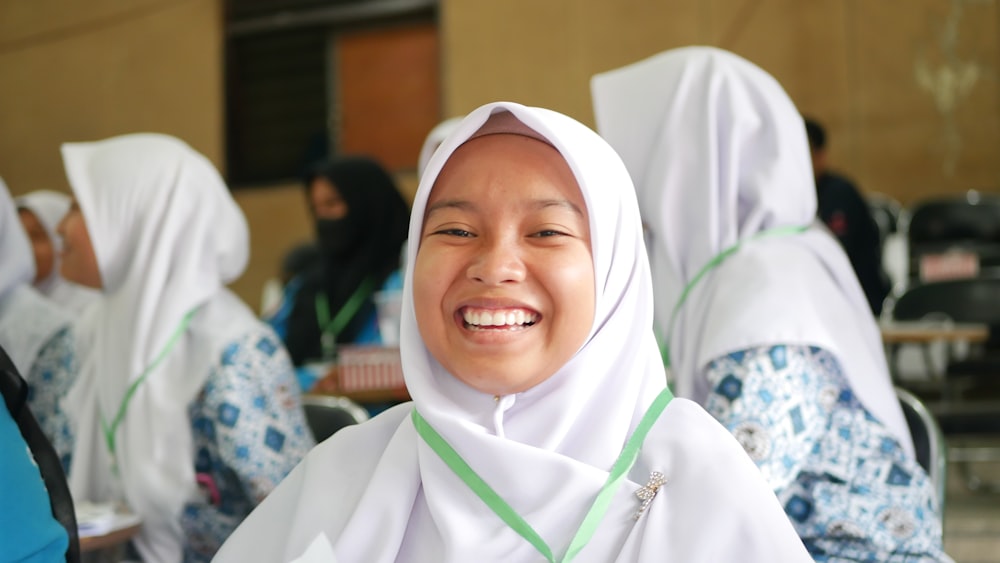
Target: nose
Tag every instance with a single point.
(499, 262)
(61, 227)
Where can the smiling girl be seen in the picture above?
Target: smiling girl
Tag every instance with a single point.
(540, 426)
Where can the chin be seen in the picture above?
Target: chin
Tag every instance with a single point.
(499, 383)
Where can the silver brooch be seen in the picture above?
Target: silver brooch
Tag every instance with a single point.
(647, 492)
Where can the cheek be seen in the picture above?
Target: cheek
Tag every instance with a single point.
(44, 254)
(572, 283)
(427, 292)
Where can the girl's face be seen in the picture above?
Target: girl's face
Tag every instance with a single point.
(326, 200)
(79, 263)
(503, 284)
(41, 244)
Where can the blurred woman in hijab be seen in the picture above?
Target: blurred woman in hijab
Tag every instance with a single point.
(40, 212)
(360, 220)
(186, 408)
(761, 317)
(36, 333)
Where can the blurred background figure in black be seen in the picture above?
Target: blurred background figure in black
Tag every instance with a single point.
(840, 204)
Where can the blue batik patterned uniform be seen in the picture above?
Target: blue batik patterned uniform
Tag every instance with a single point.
(847, 485)
(249, 432)
(51, 376)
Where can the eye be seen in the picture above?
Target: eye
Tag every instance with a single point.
(548, 233)
(454, 232)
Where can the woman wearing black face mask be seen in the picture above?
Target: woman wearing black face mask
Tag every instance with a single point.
(361, 224)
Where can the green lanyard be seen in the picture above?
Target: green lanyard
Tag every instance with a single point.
(111, 430)
(331, 329)
(506, 513)
(711, 265)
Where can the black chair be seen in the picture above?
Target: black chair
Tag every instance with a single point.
(970, 400)
(973, 300)
(928, 442)
(15, 394)
(969, 223)
(327, 414)
(972, 217)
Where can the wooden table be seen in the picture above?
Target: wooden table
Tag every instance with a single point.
(331, 385)
(925, 332)
(393, 395)
(120, 532)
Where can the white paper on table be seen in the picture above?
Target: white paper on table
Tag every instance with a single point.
(98, 519)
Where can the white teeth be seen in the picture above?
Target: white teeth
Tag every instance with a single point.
(516, 317)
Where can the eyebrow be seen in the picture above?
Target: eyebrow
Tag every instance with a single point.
(459, 204)
(465, 205)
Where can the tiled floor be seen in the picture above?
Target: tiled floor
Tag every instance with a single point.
(972, 519)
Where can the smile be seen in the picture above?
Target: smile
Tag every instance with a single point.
(498, 319)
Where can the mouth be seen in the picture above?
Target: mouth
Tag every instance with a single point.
(493, 319)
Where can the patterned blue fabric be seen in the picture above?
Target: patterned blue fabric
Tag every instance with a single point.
(845, 482)
(50, 378)
(248, 429)
(279, 318)
(249, 432)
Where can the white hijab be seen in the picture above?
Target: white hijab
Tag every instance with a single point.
(50, 207)
(167, 236)
(27, 321)
(438, 134)
(718, 153)
(378, 492)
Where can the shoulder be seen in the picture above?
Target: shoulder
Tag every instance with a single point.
(326, 488)
(836, 188)
(393, 281)
(691, 446)
(363, 443)
(28, 304)
(777, 357)
(258, 339)
(343, 464)
(687, 428)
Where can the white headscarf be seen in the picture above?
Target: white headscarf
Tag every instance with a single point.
(167, 236)
(718, 153)
(439, 133)
(50, 207)
(27, 320)
(378, 492)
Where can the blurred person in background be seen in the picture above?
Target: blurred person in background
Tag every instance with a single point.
(360, 220)
(761, 318)
(842, 207)
(186, 408)
(40, 212)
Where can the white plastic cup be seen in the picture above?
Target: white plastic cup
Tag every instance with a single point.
(388, 309)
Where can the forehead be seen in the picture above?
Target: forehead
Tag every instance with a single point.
(323, 186)
(506, 165)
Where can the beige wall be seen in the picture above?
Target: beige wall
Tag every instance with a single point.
(909, 89)
(78, 71)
